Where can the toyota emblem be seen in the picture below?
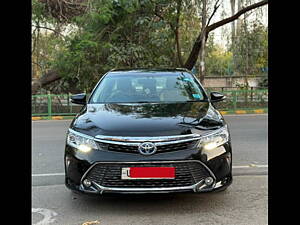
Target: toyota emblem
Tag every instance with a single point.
(147, 148)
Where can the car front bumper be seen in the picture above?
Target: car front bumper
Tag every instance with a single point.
(78, 167)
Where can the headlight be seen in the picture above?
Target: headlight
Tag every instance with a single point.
(82, 142)
(214, 139)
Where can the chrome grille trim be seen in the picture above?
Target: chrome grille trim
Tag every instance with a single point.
(148, 190)
(143, 140)
(122, 139)
(193, 187)
(135, 141)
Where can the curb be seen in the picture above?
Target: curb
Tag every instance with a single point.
(34, 118)
(250, 111)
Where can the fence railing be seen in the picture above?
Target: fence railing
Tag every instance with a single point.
(244, 99)
(221, 89)
(60, 105)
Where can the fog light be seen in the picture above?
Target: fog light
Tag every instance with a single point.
(208, 180)
(87, 183)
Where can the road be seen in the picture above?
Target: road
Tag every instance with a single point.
(244, 202)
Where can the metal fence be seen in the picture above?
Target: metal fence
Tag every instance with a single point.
(244, 99)
(53, 105)
(60, 105)
(223, 89)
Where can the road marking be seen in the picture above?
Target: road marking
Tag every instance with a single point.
(233, 167)
(250, 166)
(47, 174)
(47, 213)
(91, 222)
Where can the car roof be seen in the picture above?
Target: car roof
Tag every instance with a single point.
(148, 70)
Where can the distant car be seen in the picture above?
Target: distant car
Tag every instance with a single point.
(148, 131)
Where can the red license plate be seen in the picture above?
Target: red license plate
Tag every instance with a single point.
(148, 173)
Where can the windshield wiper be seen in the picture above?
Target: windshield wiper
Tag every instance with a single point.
(144, 102)
(196, 101)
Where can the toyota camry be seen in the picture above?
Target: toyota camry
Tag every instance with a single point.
(148, 131)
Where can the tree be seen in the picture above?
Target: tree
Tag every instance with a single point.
(203, 41)
(133, 33)
(198, 43)
(217, 59)
(251, 49)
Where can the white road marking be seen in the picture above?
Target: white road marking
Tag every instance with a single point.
(250, 166)
(91, 222)
(47, 174)
(233, 167)
(47, 213)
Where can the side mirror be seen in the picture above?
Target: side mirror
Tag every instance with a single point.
(216, 96)
(79, 99)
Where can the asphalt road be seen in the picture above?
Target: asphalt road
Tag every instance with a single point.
(244, 202)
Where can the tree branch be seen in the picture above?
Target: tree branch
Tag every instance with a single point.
(47, 28)
(213, 13)
(236, 16)
(47, 78)
(192, 59)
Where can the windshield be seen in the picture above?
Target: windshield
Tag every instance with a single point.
(143, 88)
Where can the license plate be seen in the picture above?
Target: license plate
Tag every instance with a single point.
(148, 173)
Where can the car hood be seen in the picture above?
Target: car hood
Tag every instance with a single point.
(151, 119)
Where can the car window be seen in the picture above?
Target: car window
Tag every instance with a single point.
(136, 88)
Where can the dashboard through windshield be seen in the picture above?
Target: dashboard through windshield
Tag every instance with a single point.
(148, 88)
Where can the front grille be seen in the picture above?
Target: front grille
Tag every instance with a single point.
(109, 175)
(160, 148)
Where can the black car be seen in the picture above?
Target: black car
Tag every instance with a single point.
(148, 131)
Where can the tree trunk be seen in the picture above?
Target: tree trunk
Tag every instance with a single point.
(239, 21)
(233, 32)
(177, 42)
(47, 78)
(202, 60)
(232, 4)
(176, 32)
(203, 42)
(192, 59)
